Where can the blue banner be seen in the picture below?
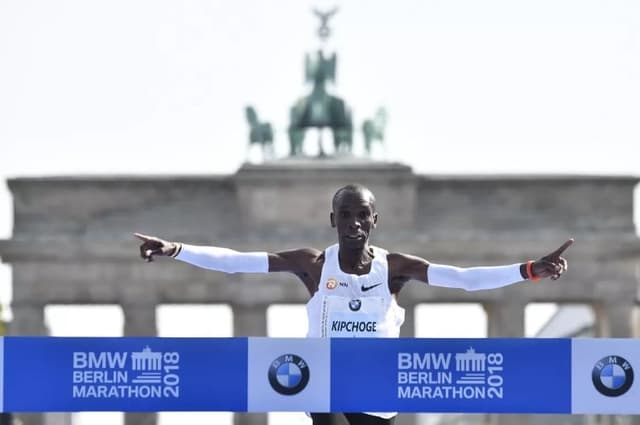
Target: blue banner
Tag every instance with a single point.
(447, 375)
(125, 374)
(592, 376)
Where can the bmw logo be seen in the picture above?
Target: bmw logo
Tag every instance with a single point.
(355, 304)
(612, 376)
(288, 374)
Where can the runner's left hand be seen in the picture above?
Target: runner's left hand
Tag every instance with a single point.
(552, 265)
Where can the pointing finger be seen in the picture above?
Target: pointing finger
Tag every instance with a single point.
(142, 237)
(562, 248)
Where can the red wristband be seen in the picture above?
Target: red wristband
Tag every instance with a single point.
(530, 274)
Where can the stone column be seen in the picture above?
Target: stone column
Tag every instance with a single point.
(635, 315)
(140, 320)
(28, 319)
(408, 330)
(57, 418)
(249, 321)
(614, 319)
(505, 319)
(407, 419)
(635, 322)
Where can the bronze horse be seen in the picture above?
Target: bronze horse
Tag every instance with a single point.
(373, 129)
(260, 133)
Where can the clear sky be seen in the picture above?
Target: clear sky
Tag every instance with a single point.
(160, 86)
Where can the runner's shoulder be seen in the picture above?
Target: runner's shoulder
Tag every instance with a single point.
(304, 255)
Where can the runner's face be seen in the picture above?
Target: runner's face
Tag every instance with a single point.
(354, 218)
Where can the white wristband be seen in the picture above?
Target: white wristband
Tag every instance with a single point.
(473, 278)
(223, 259)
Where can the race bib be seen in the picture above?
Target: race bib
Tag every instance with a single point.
(353, 318)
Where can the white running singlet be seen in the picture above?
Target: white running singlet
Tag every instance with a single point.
(352, 306)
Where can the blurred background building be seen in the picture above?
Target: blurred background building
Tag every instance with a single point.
(72, 244)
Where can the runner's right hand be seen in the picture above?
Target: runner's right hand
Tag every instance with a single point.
(152, 245)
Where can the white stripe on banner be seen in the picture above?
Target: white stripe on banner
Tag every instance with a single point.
(605, 376)
(1, 374)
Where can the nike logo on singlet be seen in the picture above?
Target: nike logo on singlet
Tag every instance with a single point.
(366, 288)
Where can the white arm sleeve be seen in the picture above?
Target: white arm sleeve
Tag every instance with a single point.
(223, 259)
(473, 278)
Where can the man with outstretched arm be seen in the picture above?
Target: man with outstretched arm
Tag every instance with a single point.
(353, 285)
